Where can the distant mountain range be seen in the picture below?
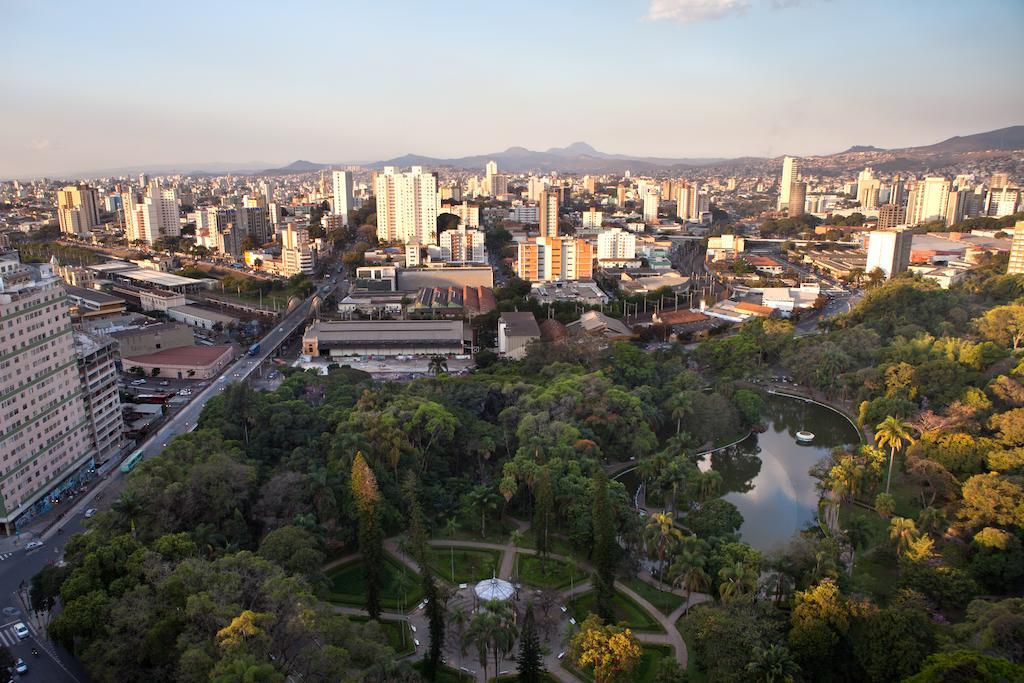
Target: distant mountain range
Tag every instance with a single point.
(580, 157)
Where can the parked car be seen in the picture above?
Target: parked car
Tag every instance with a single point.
(21, 630)
(20, 666)
(164, 383)
(90, 512)
(32, 545)
(137, 382)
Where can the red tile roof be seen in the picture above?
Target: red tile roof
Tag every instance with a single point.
(681, 317)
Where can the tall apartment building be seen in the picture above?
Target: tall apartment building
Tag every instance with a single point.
(868, 187)
(154, 215)
(652, 201)
(550, 259)
(691, 203)
(490, 171)
(790, 175)
(469, 214)
(1016, 265)
(797, 199)
(45, 440)
(548, 210)
(77, 210)
(97, 372)
(535, 186)
(341, 182)
(896, 188)
(406, 206)
(463, 245)
(616, 243)
(1002, 201)
(890, 216)
(592, 218)
(889, 250)
(928, 201)
(297, 253)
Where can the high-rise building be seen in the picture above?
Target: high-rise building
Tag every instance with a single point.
(651, 203)
(490, 170)
(550, 259)
(45, 440)
(691, 203)
(77, 210)
(342, 186)
(999, 180)
(589, 184)
(549, 203)
(97, 372)
(889, 250)
(616, 243)
(959, 206)
(152, 216)
(891, 216)
(620, 195)
(297, 253)
(463, 245)
(1016, 265)
(592, 218)
(896, 191)
(406, 206)
(534, 188)
(797, 199)
(254, 221)
(1002, 201)
(790, 175)
(928, 201)
(469, 214)
(868, 187)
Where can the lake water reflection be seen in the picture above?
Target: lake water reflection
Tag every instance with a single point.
(765, 475)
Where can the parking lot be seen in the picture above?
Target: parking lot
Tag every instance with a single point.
(390, 367)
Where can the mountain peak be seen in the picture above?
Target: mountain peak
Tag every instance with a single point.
(576, 148)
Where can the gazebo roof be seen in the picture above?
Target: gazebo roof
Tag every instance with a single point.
(494, 589)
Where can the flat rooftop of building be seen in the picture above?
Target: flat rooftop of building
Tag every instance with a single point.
(92, 295)
(111, 266)
(520, 324)
(204, 313)
(154, 277)
(383, 330)
(147, 329)
(184, 355)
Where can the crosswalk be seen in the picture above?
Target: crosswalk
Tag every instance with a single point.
(4, 556)
(9, 638)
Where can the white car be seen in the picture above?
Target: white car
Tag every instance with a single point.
(90, 512)
(32, 545)
(21, 630)
(137, 382)
(20, 666)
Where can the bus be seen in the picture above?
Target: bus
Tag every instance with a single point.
(131, 461)
(254, 349)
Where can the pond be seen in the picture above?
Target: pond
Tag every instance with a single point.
(766, 475)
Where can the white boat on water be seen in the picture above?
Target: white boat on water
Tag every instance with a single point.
(804, 437)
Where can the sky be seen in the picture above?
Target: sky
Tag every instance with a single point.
(90, 86)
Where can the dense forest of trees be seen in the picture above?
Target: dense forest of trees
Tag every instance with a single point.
(208, 567)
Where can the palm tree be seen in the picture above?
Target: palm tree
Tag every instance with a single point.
(903, 531)
(674, 476)
(858, 534)
(458, 619)
(438, 365)
(128, 506)
(931, 519)
(710, 484)
(483, 500)
(894, 433)
(738, 579)
(774, 665)
(688, 573)
(680, 406)
(492, 628)
(660, 536)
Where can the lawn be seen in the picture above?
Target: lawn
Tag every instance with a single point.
(446, 674)
(558, 544)
(557, 576)
(393, 629)
(348, 585)
(471, 564)
(665, 602)
(646, 668)
(634, 616)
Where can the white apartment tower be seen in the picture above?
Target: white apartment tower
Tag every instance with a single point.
(889, 250)
(77, 209)
(1016, 265)
(406, 206)
(617, 244)
(929, 200)
(45, 440)
(652, 200)
(549, 203)
(463, 245)
(152, 216)
(790, 175)
(342, 186)
(868, 187)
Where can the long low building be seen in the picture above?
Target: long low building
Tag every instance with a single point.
(383, 338)
(186, 362)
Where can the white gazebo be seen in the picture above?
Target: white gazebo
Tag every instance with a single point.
(494, 589)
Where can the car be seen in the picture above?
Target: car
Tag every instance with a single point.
(164, 383)
(20, 666)
(21, 630)
(137, 382)
(90, 512)
(32, 545)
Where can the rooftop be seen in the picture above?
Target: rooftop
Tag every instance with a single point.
(92, 295)
(184, 355)
(342, 331)
(148, 329)
(520, 324)
(204, 313)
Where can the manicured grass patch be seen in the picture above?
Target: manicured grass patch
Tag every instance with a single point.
(470, 564)
(635, 616)
(446, 674)
(394, 629)
(646, 668)
(665, 602)
(348, 585)
(557, 575)
(557, 544)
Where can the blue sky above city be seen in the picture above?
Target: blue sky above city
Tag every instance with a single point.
(93, 86)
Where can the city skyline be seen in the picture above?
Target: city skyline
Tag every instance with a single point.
(152, 97)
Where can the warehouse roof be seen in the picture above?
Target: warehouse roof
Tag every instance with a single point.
(520, 324)
(185, 355)
(356, 331)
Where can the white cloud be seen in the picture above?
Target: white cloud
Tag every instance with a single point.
(689, 11)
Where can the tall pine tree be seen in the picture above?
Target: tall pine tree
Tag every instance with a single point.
(531, 659)
(371, 542)
(435, 623)
(606, 549)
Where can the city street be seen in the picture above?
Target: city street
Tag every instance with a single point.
(18, 565)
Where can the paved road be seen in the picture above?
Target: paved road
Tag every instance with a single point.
(18, 565)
